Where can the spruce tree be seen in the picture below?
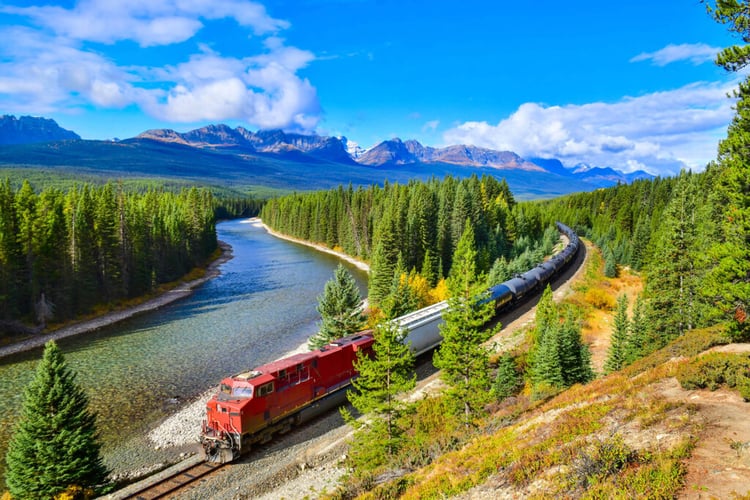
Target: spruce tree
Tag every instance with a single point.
(545, 370)
(339, 308)
(507, 380)
(728, 283)
(401, 299)
(54, 445)
(384, 258)
(381, 378)
(558, 357)
(638, 345)
(610, 263)
(462, 359)
(575, 357)
(619, 340)
(673, 278)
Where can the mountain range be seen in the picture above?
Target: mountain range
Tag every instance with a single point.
(286, 160)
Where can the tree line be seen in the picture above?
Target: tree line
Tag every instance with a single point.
(414, 226)
(64, 253)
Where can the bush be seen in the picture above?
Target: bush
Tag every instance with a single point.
(600, 299)
(603, 459)
(715, 369)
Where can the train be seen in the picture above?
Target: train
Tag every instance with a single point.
(254, 405)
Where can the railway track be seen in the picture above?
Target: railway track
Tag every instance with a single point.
(170, 481)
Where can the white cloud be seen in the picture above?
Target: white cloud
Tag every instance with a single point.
(697, 53)
(659, 132)
(50, 66)
(147, 22)
(431, 125)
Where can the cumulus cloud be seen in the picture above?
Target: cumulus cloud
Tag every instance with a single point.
(696, 53)
(52, 66)
(659, 132)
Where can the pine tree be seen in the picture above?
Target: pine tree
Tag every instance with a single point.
(728, 286)
(575, 357)
(339, 308)
(610, 263)
(462, 359)
(384, 258)
(637, 345)
(545, 370)
(401, 298)
(54, 444)
(389, 372)
(619, 340)
(673, 279)
(499, 272)
(507, 379)
(558, 357)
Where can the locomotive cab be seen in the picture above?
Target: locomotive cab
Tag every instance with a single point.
(251, 406)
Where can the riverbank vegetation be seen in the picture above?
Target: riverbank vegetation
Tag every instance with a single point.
(64, 253)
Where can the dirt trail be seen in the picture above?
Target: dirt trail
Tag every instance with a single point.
(719, 466)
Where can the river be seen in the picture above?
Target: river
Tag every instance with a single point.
(140, 370)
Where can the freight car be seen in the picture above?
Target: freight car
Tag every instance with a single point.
(252, 406)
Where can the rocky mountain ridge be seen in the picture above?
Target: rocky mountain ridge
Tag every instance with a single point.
(285, 146)
(31, 129)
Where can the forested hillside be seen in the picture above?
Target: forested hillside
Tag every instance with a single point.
(63, 253)
(414, 226)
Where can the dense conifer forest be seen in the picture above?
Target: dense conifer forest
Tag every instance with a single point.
(63, 253)
(411, 227)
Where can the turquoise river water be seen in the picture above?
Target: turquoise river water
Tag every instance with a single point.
(140, 370)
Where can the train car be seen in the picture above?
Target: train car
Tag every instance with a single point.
(423, 327)
(253, 405)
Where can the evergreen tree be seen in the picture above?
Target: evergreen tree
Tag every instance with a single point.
(500, 272)
(54, 444)
(382, 377)
(637, 345)
(575, 357)
(728, 285)
(610, 263)
(673, 279)
(339, 308)
(384, 259)
(462, 359)
(401, 299)
(507, 380)
(619, 340)
(545, 369)
(558, 357)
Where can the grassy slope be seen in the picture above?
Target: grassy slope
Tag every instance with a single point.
(631, 434)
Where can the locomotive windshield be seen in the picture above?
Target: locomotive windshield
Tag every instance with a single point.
(228, 392)
(242, 392)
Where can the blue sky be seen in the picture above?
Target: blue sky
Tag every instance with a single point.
(629, 84)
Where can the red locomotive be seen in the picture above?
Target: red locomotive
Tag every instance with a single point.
(252, 406)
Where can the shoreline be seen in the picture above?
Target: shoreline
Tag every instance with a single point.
(321, 248)
(182, 290)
